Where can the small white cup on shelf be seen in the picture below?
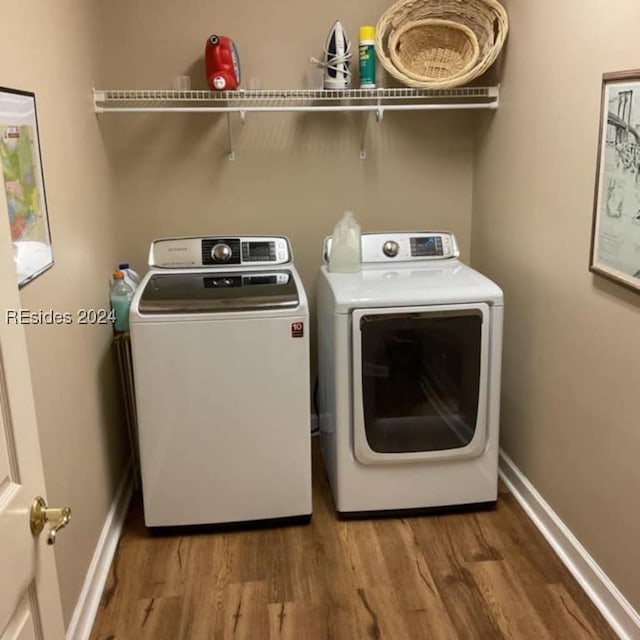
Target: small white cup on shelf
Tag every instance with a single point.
(315, 78)
(182, 83)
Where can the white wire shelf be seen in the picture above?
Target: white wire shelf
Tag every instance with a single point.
(241, 101)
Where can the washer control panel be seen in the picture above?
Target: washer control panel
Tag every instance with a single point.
(219, 251)
(404, 246)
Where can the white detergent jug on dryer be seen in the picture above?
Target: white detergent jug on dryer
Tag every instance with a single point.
(345, 255)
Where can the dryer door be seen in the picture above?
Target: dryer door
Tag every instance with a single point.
(420, 382)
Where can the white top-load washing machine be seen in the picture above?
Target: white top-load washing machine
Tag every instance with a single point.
(220, 341)
(409, 353)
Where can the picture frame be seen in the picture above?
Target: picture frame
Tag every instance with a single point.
(23, 184)
(615, 234)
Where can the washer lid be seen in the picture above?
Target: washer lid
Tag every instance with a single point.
(208, 292)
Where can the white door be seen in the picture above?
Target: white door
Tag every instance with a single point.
(29, 597)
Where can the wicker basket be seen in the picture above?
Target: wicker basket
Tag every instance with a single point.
(486, 18)
(433, 50)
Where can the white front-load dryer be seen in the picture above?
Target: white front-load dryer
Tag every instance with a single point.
(220, 342)
(409, 356)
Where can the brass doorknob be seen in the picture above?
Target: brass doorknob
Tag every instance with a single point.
(58, 518)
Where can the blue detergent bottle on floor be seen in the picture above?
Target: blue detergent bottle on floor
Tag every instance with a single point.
(120, 298)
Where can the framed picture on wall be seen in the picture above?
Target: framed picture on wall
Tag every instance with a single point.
(615, 238)
(23, 184)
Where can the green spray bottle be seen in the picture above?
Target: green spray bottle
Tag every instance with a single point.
(367, 57)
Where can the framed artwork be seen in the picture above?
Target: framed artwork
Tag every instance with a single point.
(615, 237)
(23, 183)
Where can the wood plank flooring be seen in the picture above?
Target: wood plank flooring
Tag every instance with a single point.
(487, 575)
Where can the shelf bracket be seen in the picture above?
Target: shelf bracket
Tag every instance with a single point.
(379, 115)
(380, 109)
(232, 153)
(363, 139)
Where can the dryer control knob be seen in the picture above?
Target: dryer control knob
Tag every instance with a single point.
(221, 252)
(390, 248)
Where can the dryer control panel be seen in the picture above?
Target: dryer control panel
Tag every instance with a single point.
(404, 246)
(219, 251)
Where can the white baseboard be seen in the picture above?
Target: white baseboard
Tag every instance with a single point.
(89, 600)
(622, 617)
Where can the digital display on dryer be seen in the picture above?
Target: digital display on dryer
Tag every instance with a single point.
(426, 247)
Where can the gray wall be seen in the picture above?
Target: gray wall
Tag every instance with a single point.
(50, 49)
(294, 174)
(571, 401)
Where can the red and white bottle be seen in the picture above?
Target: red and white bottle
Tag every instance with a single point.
(222, 63)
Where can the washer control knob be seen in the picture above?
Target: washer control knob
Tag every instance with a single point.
(390, 248)
(221, 252)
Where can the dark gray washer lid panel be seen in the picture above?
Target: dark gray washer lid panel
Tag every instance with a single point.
(206, 292)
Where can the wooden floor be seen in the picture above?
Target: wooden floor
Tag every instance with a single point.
(485, 575)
